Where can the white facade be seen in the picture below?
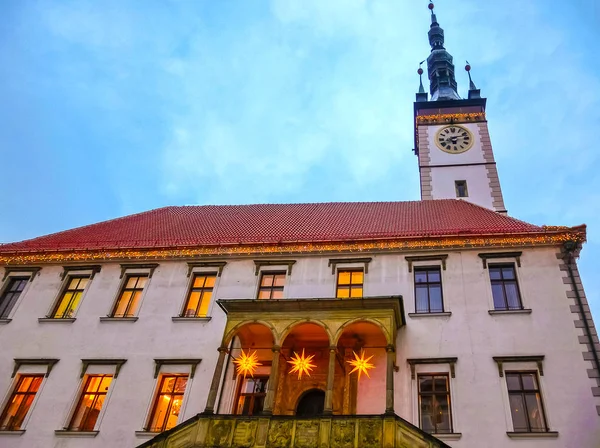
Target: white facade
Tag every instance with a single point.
(467, 331)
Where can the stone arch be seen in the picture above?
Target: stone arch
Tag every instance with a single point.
(377, 323)
(235, 330)
(286, 332)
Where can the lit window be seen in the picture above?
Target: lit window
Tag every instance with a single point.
(434, 404)
(70, 297)
(20, 401)
(271, 285)
(167, 405)
(350, 284)
(129, 299)
(251, 396)
(428, 290)
(11, 293)
(525, 402)
(198, 299)
(90, 403)
(505, 289)
(461, 188)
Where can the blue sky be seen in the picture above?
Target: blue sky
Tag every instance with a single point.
(115, 107)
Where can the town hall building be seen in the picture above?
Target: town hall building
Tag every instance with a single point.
(431, 323)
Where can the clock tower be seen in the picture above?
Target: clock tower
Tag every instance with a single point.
(452, 141)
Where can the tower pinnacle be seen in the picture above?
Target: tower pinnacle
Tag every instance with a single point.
(442, 84)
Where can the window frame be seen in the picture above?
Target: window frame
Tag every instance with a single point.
(123, 289)
(272, 288)
(69, 427)
(350, 285)
(502, 265)
(4, 291)
(239, 393)
(13, 392)
(441, 284)
(157, 394)
(190, 289)
(63, 291)
(457, 185)
(448, 393)
(522, 392)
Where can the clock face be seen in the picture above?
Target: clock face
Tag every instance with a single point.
(454, 139)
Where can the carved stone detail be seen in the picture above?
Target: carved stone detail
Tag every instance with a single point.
(280, 434)
(342, 434)
(369, 433)
(307, 434)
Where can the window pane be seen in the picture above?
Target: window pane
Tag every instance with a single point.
(264, 294)
(19, 403)
(434, 276)
(442, 414)
(420, 276)
(343, 278)
(203, 311)
(122, 303)
(343, 293)
(508, 273)
(168, 384)
(279, 280)
(131, 282)
(427, 422)
(210, 281)
(161, 409)
(535, 413)
(192, 304)
(356, 292)
(180, 384)
(495, 274)
(512, 296)
(517, 410)
(529, 381)
(498, 294)
(512, 381)
(277, 294)
(426, 384)
(440, 384)
(422, 298)
(267, 280)
(134, 303)
(435, 299)
(357, 278)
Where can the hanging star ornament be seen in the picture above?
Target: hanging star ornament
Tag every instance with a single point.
(247, 363)
(302, 364)
(360, 364)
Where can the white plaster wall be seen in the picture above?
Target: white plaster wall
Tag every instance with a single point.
(478, 184)
(470, 333)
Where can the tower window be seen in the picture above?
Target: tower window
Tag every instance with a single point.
(461, 188)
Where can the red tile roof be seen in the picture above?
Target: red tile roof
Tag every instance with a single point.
(279, 223)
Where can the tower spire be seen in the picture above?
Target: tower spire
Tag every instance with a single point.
(440, 68)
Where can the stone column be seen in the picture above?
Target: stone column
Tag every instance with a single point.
(214, 386)
(328, 408)
(273, 381)
(389, 383)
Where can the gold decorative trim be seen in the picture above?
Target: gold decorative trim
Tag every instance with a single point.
(451, 118)
(549, 236)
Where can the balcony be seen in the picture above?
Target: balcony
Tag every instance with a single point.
(338, 431)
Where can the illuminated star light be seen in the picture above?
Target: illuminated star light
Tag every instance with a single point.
(302, 364)
(247, 363)
(361, 364)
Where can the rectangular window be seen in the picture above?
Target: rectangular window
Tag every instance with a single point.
(11, 293)
(350, 284)
(461, 188)
(251, 396)
(198, 299)
(20, 401)
(505, 289)
(129, 299)
(167, 405)
(526, 402)
(90, 403)
(70, 297)
(434, 403)
(271, 285)
(428, 290)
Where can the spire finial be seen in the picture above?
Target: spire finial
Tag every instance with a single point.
(420, 72)
(474, 92)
